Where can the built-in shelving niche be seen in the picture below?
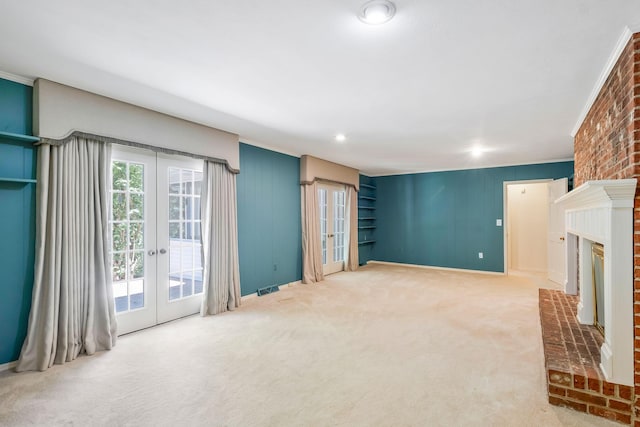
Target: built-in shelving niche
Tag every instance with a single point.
(367, 198)
(17, 166)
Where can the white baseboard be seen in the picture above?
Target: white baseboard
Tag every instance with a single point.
(7, 366)
(433, 267)
(285, 285)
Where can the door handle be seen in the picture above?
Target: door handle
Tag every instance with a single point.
(163, 251)
(562, 238)
(329, 235)
(151, 252)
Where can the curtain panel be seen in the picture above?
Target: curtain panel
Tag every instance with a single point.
(352, 261)
(219, 240)
(72, 309)
(311, 250)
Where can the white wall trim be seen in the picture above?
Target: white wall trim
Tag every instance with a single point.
(624, 38)
(16, 78)
(8, 366)
(434, 267)
(281, 287)
(492, 166)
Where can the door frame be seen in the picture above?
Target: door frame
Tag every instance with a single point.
(505, 219)
(332, 187)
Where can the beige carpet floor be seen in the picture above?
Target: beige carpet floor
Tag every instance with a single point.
(383, 346)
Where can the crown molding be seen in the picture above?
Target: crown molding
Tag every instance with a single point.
(624, 38)
(16, 78)
(476, 167)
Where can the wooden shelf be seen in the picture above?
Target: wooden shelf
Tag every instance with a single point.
(18, 137)
(366, 242)
(18, 180)
(366, 198)
(368, 186)
(366, 226)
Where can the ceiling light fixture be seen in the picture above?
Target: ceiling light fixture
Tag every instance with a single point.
(341, 137)
(375, 12)
(477, 151)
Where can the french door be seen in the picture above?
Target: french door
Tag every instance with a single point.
(332, 204)
(156, 249)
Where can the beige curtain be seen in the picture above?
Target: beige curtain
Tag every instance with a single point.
(351, 232)
(72, 308)
(311, 250)
(219, 240)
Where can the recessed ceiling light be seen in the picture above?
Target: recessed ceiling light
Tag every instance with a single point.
(477, 151)
(341, 137)
(375, 12)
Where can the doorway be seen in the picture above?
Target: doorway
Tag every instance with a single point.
(156, 250)
(527, 227)
(534, 236)
(332, 205)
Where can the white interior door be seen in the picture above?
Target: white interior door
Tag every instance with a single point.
(557, 256)
(156, 250)
(332, 205)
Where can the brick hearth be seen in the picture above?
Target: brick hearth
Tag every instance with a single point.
(572, 358)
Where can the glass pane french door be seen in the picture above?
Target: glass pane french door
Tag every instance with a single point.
(332, 205)
(133, 238)
(179, 225)
(156, 250)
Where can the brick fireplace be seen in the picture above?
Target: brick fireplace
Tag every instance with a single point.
(607, 149)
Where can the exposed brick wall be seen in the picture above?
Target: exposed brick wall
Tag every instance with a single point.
(572, 356)
(607, 146)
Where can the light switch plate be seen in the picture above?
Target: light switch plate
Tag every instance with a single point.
(498, 223)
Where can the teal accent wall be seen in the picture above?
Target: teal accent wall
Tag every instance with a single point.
(445, 218)
(17, 219)
(269, 224)
(15, 107)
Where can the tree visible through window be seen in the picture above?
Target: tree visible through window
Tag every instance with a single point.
(127, 214)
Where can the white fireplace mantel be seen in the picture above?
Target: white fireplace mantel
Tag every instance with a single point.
(602, 212)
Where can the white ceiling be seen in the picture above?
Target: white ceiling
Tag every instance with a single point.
(412, 95)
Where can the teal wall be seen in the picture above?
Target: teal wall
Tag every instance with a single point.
(441, 219)
(269, 229)
(445, 218)
(17, 219)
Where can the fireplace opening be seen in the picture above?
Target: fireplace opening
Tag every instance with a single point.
(597, 271)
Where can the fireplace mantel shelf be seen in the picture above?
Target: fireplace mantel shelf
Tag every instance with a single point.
(616, 193)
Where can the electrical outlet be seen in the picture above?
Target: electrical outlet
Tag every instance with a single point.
(480, 255)
(275, 267)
